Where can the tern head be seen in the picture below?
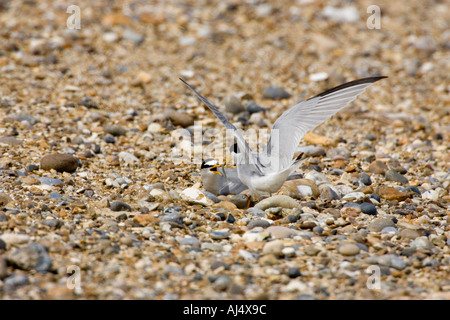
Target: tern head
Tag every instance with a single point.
(211, 165)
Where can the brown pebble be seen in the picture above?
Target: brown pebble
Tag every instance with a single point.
(378, 167)
(60, 162)
(390, 193)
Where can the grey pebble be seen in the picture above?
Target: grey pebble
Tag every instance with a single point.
(109, 139)
(211, 196)
(230, 218)
(217, 264)
(14, 281)
(368, 208)
(172, 217)
(392, 175)
(233, 105)
(252, 107)
(239, 200)
(365, 179)
(50, 181)
(294, 272)
(115, 130)
(275, 93)
(256, 212)
(133, 36)
(119, 206)
(258, 223)
(32, 257)
(381, 223)
(218, 235)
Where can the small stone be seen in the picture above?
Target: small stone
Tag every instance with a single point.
(381, 223)
(390, 193)
(251, 107)
(59, 162)
(12, 239)
(368, 208)
(258, 223)
(31, 257)
(14, 281)
(256, 212)
(329, 194)
(320, 76)
(312, 250)
(341, 15)
(294, 272)
(119, 206)
(430, 195)
(179, 118)
(392, 175)
(115, 130)
(195, 196)
(365, 179)
(349, 249)
(128, 157)
(51, 181)
(233, 105)
(421, 243)
(273, 247)
(5, 199)
(279, 232)
(312, 151)
(230, 218)
(239, 200)
(133, 36)
(218, 235)
(277, 201)
(219, 264)
(29, 180)
(275, 93)
(338, 153)
(409, 234)
(11, 141)
(378, 167)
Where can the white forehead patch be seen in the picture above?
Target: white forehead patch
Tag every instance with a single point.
(211, 162)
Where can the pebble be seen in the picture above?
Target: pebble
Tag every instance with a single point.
(317, 177)
(368, 208)
(115, 130)
(312, 151)
(275, 93)
(256, 212)
(349, 249)
(389, 260)
(409, 234)
(390, 193)
(12, 239)
(195, 196)
(32, 257)
(392, 175)
(279, 232)
(179, 118)
(277, 201)
(381, 223)
(354, 196)
(320, 76)
(233, 105)
(273, 247)
(51, 181)
(365, 179)
(14, 281)
(251, 107)
(133, 36)
(430, 195)
(211, 246)
(239, 200)
(119, 206)
(329, 194)
(59, 162)
(5, 199)
(294, 272)
(378, 167)
(338, 153)
(258, 223)
(128, 157)
(11, 141)
(218, 235)
(421, 243)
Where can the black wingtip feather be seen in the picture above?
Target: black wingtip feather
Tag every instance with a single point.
(350, 84)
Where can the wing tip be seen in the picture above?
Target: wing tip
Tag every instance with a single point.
(350, 84)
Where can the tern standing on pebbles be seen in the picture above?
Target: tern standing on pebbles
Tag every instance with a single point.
(265, 172)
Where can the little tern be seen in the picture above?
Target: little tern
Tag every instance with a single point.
(219, 180)
(265, 172)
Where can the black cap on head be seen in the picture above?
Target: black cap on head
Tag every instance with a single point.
(234, 148)
(208, 163)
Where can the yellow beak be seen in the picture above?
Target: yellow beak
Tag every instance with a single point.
(214, 169)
